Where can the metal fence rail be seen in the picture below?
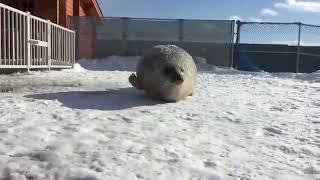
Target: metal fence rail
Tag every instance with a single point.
(277, 47)
(27, 41)
(102, 37)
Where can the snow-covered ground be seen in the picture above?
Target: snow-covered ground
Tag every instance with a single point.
(238, 125)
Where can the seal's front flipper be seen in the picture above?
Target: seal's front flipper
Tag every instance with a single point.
(133, 79)
(192, 93)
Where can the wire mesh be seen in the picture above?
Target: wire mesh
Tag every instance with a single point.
(310, 39)
(264, 33)
(278, 47)
(207, 31)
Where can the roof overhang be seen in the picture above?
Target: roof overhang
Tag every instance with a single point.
(93, 6)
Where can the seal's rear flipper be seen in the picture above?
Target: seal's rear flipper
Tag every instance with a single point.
(133, 79)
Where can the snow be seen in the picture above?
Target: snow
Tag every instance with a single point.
(88, 123)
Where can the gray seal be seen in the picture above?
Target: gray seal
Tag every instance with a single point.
(166, 73)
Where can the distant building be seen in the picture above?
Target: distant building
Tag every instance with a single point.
(57, 11)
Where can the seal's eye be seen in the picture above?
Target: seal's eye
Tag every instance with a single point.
(168, 70)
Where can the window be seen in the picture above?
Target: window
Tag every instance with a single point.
(15, 4)
(28, 5)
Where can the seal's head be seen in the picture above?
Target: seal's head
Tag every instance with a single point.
(167, 72)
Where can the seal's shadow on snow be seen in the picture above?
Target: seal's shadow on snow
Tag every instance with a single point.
(109, 100)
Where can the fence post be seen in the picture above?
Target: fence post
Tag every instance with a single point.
(232, 44)
(298, 49)
(49, 44)
(27, 39)
(124, 35)
(236, 45)
(238, 31)
(74, 47)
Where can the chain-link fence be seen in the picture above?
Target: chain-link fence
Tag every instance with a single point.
(277, 47)
(99, 38)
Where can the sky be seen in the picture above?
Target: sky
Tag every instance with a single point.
(305, 11)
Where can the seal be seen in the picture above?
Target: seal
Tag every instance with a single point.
(166, 73)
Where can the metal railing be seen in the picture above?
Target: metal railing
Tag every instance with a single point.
(277, 47)
(27, 41)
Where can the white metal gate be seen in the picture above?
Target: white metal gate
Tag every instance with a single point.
(27, 41)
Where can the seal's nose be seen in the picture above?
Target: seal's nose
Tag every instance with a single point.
(174, 74)
(177, 79)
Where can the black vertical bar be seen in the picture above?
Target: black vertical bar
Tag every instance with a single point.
(238, 31)
(77, 35)
(236, 46)
(232, 44)
(125, 22)
(181, 30)
(298, 49)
